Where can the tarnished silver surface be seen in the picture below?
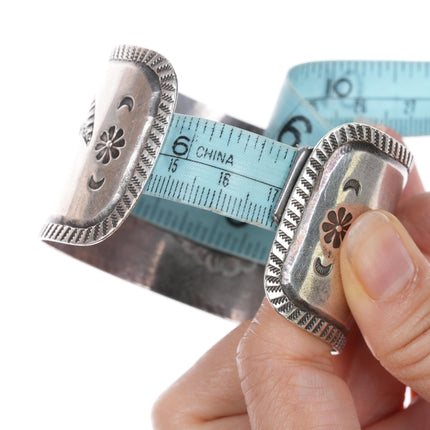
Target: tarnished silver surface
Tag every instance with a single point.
(353, 169)
(121, 140)
(178, 268)
(189, 106)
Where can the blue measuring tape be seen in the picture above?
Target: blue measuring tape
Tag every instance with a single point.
(218, 185)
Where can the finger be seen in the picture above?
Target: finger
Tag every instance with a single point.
(387, 285)
(208, 396)
(288, 379)
(414, 214)
(375, 391)
(417, 416)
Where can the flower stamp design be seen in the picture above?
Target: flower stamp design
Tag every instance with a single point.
(337, 226)
(108, 146)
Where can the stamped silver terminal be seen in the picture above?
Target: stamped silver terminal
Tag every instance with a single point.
(122, 136)
(351, 170)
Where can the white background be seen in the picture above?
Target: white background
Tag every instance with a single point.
(80, 349)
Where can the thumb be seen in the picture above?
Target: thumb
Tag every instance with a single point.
(288, 379)
(387, 285)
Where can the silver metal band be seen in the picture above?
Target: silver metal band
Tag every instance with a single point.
(176, 267)
(352, 169)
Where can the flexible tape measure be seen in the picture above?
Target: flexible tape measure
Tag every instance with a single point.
(202, 186)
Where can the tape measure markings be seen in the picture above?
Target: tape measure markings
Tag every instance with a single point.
(229, 170)
(207, 228)
(396, 92)
(315, 97)
(216, 178)
(219, 200)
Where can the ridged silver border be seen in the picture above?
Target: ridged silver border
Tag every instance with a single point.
(295, 312)
(168, 84)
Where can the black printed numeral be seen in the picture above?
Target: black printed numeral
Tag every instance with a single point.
(224, 179)
(290, 127)
(180, 146)
(173, 165)
(340, 88)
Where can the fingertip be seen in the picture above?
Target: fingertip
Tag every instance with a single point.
(385, 279)
(379, 258)
(375, 238)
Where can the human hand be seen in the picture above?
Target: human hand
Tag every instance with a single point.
(269, 374)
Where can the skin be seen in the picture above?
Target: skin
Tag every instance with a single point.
(269, 374)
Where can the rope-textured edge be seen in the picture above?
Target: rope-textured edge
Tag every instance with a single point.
(168, 85)
(306, 318)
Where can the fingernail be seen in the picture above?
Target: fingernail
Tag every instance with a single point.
(378, 256)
